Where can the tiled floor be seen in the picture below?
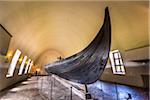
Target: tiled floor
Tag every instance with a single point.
(26, 90)
(39, 88)
(108, 91)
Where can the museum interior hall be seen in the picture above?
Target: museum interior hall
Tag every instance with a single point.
(74, 50)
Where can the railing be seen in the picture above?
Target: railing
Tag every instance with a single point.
(54, 88)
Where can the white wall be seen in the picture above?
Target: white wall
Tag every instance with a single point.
(133, 76)
(6, 82)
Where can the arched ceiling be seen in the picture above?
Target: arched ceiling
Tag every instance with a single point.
(68, 27)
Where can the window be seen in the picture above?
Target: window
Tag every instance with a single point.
(22, 65)
(27, 66)
(117, 62)
(13, 63)
(31, 64)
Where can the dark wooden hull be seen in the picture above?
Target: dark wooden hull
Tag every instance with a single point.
(86, 66)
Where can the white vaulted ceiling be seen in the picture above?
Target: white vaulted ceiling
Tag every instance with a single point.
(64, 28)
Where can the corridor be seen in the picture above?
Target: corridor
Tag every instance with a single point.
(39, 88)
(74, 50)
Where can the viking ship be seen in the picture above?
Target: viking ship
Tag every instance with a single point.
(88, 65)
